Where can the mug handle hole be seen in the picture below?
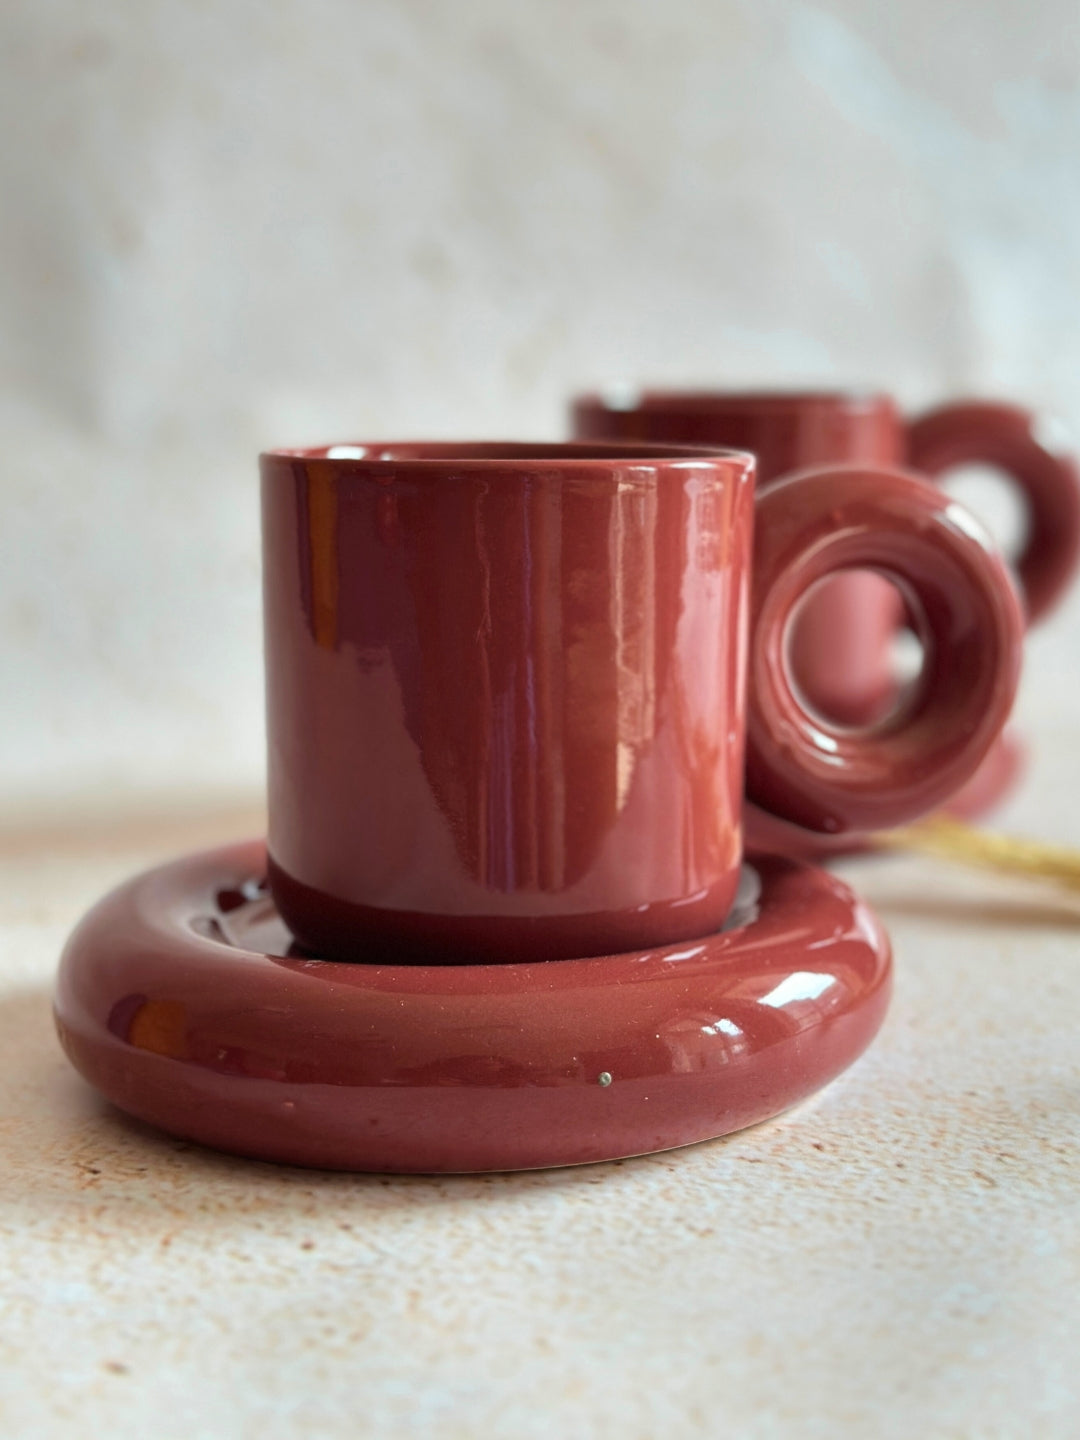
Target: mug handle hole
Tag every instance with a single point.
(989, 492)
(856, 651)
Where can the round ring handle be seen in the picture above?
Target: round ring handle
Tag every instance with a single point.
(1015, 441)
(835, 779)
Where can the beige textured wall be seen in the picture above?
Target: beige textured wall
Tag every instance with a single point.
(229, 224)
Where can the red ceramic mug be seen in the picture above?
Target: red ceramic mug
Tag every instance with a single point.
(509, 685)
(842, 654)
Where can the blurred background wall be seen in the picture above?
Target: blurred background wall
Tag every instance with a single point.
(226, 225)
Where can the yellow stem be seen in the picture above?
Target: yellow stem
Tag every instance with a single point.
(952, 840)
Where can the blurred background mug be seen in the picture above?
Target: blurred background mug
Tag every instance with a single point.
(842, 646)
(508, 686)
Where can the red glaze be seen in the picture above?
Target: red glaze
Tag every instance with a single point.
(505, 687)
(842, 656)
(182, 1000)
(829, 777)
(1012, 439)
(992, 781)
(505, 695)
(786, 431)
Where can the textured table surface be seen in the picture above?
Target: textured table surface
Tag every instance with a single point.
(899, 1257)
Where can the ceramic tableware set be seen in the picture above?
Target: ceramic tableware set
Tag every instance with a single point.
(535, 712)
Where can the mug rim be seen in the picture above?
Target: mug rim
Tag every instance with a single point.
(429, 455)
(615, 400)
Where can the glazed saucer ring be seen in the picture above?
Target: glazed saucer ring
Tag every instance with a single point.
(184, 1000)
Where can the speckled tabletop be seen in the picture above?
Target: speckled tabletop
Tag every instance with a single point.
(900, 1256)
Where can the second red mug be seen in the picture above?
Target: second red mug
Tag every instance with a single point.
(511, 688)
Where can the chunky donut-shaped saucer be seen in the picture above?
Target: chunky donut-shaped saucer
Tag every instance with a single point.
(182, 999)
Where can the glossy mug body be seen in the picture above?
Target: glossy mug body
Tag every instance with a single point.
(505, 699)
(842, 647)
(507, 686)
